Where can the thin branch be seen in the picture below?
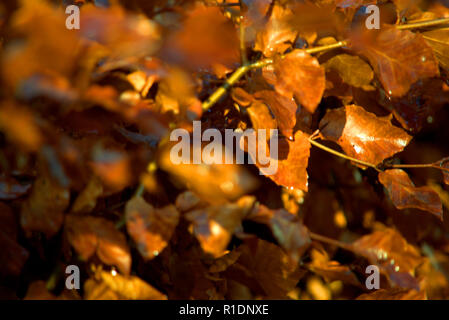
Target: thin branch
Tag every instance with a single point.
(319, 237)
(424, 165)
(262, 63)
(256, 65)
(423, 24)
(342, 155)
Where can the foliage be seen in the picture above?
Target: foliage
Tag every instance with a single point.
(86, 177)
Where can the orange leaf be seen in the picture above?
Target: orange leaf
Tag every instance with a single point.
(150, 228)
(90, 235)
(363, 135)
(299, 75)
(399, 58)
(404, 194)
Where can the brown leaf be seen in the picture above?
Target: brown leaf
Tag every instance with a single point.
(287, 229)
(20, 127)
(43, 210)
(284, 110)
(363, 135)
(117, 287)
(277, 35)
(213, 183)
(392, 253)
(291, 162)
(214, 226)
(404, 194)
(215, 42)
(331, 270)
(438, 40)
(299, 75)
(394, 294)
(150, 228)
(261, 117)
(90, 235)
(352, 69)
(273, 270)
(87, 199)
(399, 58)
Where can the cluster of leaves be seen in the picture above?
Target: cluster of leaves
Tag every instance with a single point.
(86, 176)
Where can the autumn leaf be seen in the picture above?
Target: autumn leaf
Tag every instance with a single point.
(438, 40)
(87, 199)
(214, 226)
(284, 110)
(352, 69)
(150, 228)
(92, 235)
(404, 194)
(277, 35)
(291, 162)
(287, 229)
(299, 75)
(117, 287)
(363, 135)
(43, 210)
(215, 42)
(214, 183)
(399, 58)
(273, 270)
(331, 270)
(394, 256)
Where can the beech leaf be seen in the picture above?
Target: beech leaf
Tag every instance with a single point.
(404, 194)
(363, 135)
(150, 228)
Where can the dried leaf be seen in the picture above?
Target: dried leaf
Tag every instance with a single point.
(399, 58)
(277, 35)
(287, 229)
(150, 228)
(118, 287)
(284, 110)
(43, 210)
(438, 40)
(87, 199)
(363, 135)
(214, 226)
(393, 254)
(299, 75)
(404, 194)
(90, 235)
(352, 69)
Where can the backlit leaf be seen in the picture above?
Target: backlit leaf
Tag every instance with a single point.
(363, 135)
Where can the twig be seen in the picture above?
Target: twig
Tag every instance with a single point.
(262, 63)
(342, 155)
(256, 65)
(319, 237)
(423, 24)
